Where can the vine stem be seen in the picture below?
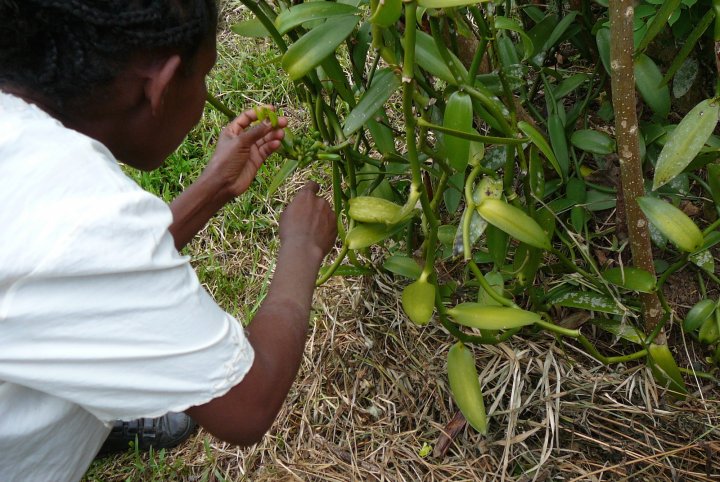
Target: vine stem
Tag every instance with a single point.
(489, 289)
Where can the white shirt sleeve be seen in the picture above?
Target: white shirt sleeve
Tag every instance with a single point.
(115, 320)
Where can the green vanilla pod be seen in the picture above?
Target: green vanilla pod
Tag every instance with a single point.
(418, 301)
(697, 315)
(514, 222)
(710, 331)
(485, 317)
(387, 13)
(458, 117)
(465, 386)
(369, 209)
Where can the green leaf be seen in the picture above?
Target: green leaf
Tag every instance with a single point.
(689, 45)
(602, 38)
(648, 80)
(307, 53)
(541, 144)
(287, 168)
(704, 260)
(306, 12)
(403, 266)
(588, 301)
(504, 23)
(634, 279)
(448, 3)
(713, 174)
(685, 77)
(385, 82)
(252, 28)
(665, 369)
(558, 141)
(658, 23)
(686, 141)
(560, 29)
(428, 58)
(626, 331)
(674, 224)
(593, 141)
(569, 84)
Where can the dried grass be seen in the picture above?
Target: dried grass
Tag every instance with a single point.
(372, 392)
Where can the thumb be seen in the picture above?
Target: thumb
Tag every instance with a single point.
(312, 186)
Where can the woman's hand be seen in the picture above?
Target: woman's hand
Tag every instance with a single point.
(308, 223)
(242, 149)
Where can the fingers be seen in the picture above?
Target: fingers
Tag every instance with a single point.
(311, 186)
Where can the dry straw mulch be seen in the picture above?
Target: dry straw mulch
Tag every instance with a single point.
(372, 392)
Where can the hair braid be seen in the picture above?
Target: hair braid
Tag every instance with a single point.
(64, 49)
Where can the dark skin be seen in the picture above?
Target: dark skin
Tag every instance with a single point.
(145, 114)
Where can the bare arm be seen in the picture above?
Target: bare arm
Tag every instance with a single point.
(278, 331)
(239, 154)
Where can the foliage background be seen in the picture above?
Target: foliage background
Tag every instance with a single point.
(371, 401)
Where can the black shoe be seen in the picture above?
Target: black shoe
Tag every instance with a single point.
(159, 433)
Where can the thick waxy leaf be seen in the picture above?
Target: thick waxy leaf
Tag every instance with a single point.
(664, 368)
(685, 142)
(569, 84)
(458, 117)
(602, 38)
(465, 386)
(697, 315)
(345, 270)
(307, 53)
(286, 169)
(541, 144)
(448, 3)
(648, 80)
(485, 317)
(593, 141)
(658, 23)
(428, 58)
(403, 266)
(635, 279)
(685, 77)
(514, 222)
(418, 301)
(384, 84)
(252, 28)
(674, 224)
(504, 23)
(690, 42)
(387, 13)
(713, 175)
(704, 260)
(558, 141)
(588, 301)
(306, 12)
(626, 331)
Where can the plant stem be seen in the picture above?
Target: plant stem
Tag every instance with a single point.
(220, 106)
(626, 128)
(489, 289)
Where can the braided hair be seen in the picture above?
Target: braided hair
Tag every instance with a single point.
(64, 50)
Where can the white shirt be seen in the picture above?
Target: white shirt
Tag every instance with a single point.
(100, 317)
